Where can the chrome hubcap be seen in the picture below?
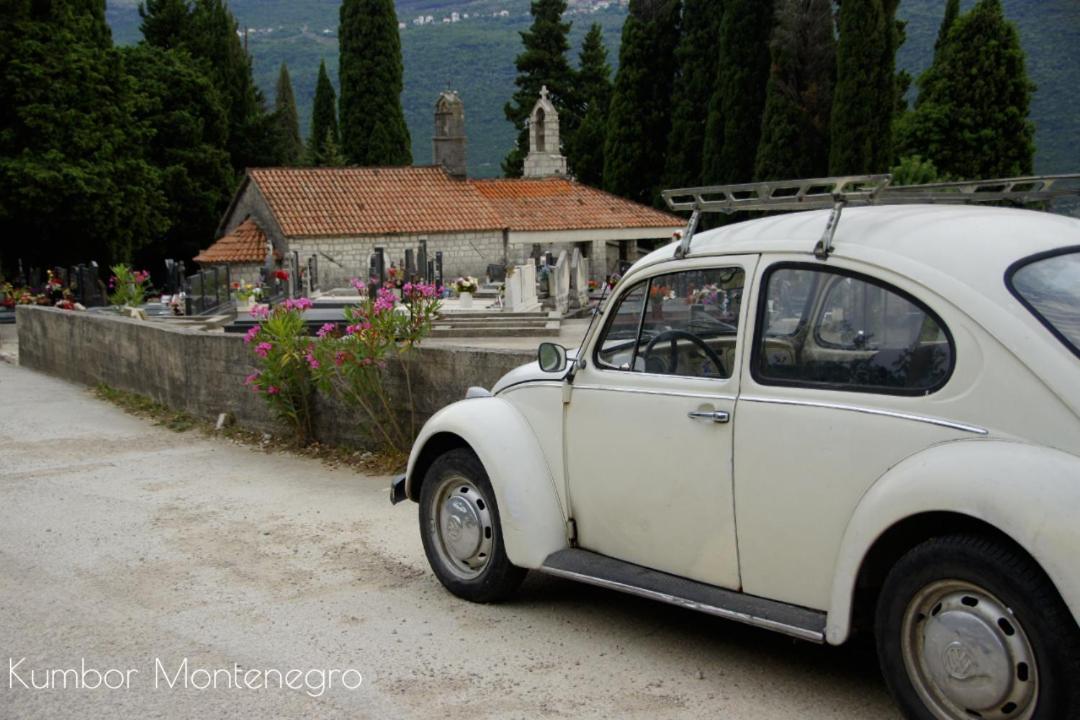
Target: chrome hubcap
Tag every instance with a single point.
(463, 526)
(967, 655)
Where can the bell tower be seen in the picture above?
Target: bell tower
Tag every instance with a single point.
(449, 144)
(545, 158)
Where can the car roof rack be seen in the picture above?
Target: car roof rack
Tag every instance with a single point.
(855, 190)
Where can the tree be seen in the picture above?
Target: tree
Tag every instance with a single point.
(798, 98)
(695, 80)
(971, 120)
(324, 122)
(586, 147)
(165, 23)
(913, 170)
(542, 62)
(183, 106)
(952, 11)
(639, 118)
(864, 100)
(290, 147)
(734, 123)
(373, 130)
(74, 184)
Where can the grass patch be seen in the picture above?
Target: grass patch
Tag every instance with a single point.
(181, 422)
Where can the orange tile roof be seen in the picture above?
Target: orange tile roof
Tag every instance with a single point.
(245, 244)
(562, 204)
(350, 202)
(345, 202)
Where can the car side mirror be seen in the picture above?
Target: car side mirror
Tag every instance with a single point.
(552, 357)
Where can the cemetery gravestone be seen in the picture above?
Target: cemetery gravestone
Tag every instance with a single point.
(561, 277)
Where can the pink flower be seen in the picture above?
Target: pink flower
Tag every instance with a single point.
(300, 304)
(272, 390)
(339, 358)
(385, 300)
(326, 330)
(251, 333)
(250, 379)
(263, 349)
(260, 312)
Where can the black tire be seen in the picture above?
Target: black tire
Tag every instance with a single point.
(458, 476)
(965, 578)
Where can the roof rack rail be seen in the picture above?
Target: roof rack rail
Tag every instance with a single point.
(855, 190)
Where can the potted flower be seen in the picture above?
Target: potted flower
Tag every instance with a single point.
(465, 287)
(246, 295)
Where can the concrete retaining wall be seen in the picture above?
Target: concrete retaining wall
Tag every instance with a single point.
(202, 373)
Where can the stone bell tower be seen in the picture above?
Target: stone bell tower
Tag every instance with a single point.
(545, 158)
(449, 144)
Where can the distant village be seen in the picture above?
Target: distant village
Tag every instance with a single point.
(574, 7)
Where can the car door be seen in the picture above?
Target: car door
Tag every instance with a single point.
(649, 423)
(847, 376)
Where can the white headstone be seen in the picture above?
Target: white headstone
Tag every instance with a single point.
(579, 280)
(521, 289)
(562, 284)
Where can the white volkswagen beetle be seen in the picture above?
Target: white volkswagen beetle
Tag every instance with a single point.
(878, 429)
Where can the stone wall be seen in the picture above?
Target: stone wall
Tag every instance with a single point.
(202, 373)
(466, 253)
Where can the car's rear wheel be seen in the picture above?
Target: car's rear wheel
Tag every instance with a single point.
(968, 627)
(459, 526)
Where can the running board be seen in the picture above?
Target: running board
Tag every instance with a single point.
(606, 572)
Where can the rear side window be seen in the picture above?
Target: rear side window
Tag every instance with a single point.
(1049, 286)
(824, 328)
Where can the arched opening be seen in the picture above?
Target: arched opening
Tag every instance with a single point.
(539, 124)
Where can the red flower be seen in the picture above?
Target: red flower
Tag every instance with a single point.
(281, 274)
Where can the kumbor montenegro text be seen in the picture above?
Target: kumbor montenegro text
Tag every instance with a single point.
(540, 359)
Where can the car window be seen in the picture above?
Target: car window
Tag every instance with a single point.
(1050, 288)
(822, 327)
(689, 325)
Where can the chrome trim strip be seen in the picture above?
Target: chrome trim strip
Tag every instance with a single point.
(765, 623)
(640, 391)
(531, 383)
(870, 411)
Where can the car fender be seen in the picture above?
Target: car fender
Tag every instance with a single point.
(532, 520)
(1028, 492)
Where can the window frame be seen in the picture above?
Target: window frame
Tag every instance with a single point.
(1022, 263)
(760, 322)
(616, 302)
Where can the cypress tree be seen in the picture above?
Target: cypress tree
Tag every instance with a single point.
(373, 130)
(734, 122)
(586, 148)
(209, 34)
(324, 122)
(952, 11)
(696, 57)
(290, 146)
(182, 104)
(165, 23)
(798, 98)
(972, 117)
(542, 62)
(74, 182)
(865, 97)
(639, 119)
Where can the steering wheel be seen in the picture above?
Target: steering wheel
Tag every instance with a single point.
(674, 336)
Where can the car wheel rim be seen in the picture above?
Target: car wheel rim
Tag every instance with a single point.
(967, 655)
(463, 529)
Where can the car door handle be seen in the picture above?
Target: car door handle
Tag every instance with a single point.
(719, 416)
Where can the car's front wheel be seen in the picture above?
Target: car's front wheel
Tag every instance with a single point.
(968, 627)
(459, 526)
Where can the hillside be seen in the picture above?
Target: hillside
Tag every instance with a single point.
(476, 57)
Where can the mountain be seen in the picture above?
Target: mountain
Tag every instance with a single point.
(475, 56)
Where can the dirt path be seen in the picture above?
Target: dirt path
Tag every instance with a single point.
(122, 544)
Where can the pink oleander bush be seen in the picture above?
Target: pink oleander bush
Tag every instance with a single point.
(284, 364)
(351, 361)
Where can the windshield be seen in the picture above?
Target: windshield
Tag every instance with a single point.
(1050, 287)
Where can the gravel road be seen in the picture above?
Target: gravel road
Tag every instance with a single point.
(132, 548)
